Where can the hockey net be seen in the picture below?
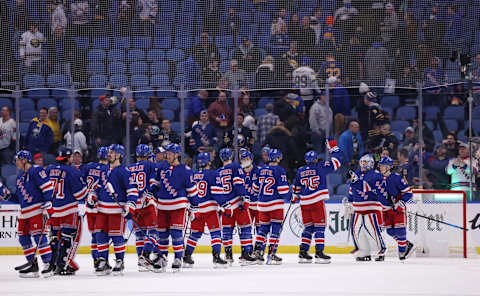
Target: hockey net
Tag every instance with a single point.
(431, 237)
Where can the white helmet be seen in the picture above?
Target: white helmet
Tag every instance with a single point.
(366, 162)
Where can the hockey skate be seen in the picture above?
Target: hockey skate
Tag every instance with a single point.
(246, 259)
(144, 263)
(274, 260)
(380, 258)
(321, 258)
(258, 253)
(365, 258)
(48, 270)
(118, 268)
(229, 255)
(31, 272)
(187, 260)
(95, 264)
(176, 265)
(103, 267)
(159, 264)
(218, 262)
(304, 257)
(66, 271)
(408, 251)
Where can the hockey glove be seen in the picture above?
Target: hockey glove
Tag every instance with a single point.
(129, 210)
(194, 214)
(353, 177)
(399, 205)
(4, 192)
(294, 198)
(47, 210)
(91, 200)
(332, 146)
(227, 210)
(246, 202)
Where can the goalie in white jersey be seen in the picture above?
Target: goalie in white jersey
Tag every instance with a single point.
(305, 79)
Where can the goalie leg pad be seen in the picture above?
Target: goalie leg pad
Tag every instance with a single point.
(372, 230)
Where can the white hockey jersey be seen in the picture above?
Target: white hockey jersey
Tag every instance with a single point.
(31, 46)
(459, 170)
(305, 78)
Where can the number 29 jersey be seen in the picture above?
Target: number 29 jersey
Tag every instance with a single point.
(273, 188)
(207, 191)
(142, 174)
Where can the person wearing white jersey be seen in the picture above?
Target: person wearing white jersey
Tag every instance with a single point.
(305, 79)
(31, 47)
(8, 129)
(459, 169)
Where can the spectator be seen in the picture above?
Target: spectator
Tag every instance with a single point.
(204, 134)
(459, 169)
(39, 135)
(204, 52)
(38, 159)
(234, 23)
(236, 76)
(54, 123)
(316, 22)
(31, 48)
(60, 48)
(390, 24)
(211, 74)
(351, 143)
(126, 13)
(383, 140)
(409, 76)
(293, 28)
(154, 104)
(247, 55)
(134, 111)
(244, 135)
(340, 98)
(245, 106)
(106, 123)
(330, 68)
(409, 139)
(370, 113)
(453, 38)
(289, 62)
(212, 15)
(428, 138)
(346, 18)
(307, 37)
(435, 78)
(320, 119)
(452, 144)
(148, 13)
(265, 123)
(283, 108)
(279, 22)
(376, 61)
(167, 135)
(433, 28)
(140, 133)
(353, 60)
(331, 38)
(20, 17)
(281, 138)
(436, 163)
(403, 167)
(79, 139)
(197, 104)
(8, 136)
(101, 22)
(220, 114)
(80, 11)
(280, 39)
(77, 159)
(57, 17)
(304, 77)
(153, 118)
(265, 73)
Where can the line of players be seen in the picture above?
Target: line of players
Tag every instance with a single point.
(160, 197)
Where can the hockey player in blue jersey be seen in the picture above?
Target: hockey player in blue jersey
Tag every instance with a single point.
(365, 205)
(34, 194)
(204, 210)
(146, 212)
(251, 186)
(311, 189)
(91, 175)
(66, 225)
(234, 204)
(117, 199)
(397, 192)
(273, 190)
(173, 187)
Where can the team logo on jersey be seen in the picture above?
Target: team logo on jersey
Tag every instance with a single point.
(296, 223)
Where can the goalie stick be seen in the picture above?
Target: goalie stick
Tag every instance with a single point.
(438, 221)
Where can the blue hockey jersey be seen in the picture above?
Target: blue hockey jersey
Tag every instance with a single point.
(273, 188)
(141, 174)
(231, 179)
(203, 136)
(396, 188)
(172, 185)
(69, 188)
(91, 175)
(251, 186)
(34, 189)
(114, 189)
(208, 191)
(365, 194)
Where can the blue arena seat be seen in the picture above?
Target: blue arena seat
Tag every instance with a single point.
(121, 42)
(142, 103)
(96, 55)
(101, 42)
(58, 81)
(97, 81)
(96, 68)
(9, 170)
(117, 67)
(160, 81)
(399, 125)
(160, 67)
(390, 101)
(33, 81)
(46, 103)
(135, 55)
(171, 104)
(6, 102)
(138, 68)
(116, 55)
(454, 112)
(406, 113)
(139, 81)
(118, 80)
(168, 114)
(452, 124)
(28, 115)
(155, 55)
(175, 55)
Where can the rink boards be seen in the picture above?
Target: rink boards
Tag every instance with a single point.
(438, 237)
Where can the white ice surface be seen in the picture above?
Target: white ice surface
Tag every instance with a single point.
(417, 276)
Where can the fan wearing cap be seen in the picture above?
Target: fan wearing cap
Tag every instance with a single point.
(397, 192)
(34, 194)
(204, 133)
(370, 113)
(116, 199)
(244, 135)
(38, 159)
(106, 120)
(69, 189)
(79, 139)
(91, 175)
(459, 169)
(174, 188)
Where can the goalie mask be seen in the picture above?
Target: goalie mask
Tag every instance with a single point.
(366, 162)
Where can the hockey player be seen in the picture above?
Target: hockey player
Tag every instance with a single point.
(394, 216)
(173, 187)
(273, 190)
(364, 206)
(146, 212)
(312, 191)
(234, 204)
(34, 194)
(251, 185)
(66, 225)
(204, 210)
(117, 199)
(91, 175)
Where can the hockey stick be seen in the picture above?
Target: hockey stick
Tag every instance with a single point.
(31, 261)
(269, 256)
(438, 221)
(186, 226)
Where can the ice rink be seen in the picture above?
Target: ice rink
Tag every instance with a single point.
(417, 276)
